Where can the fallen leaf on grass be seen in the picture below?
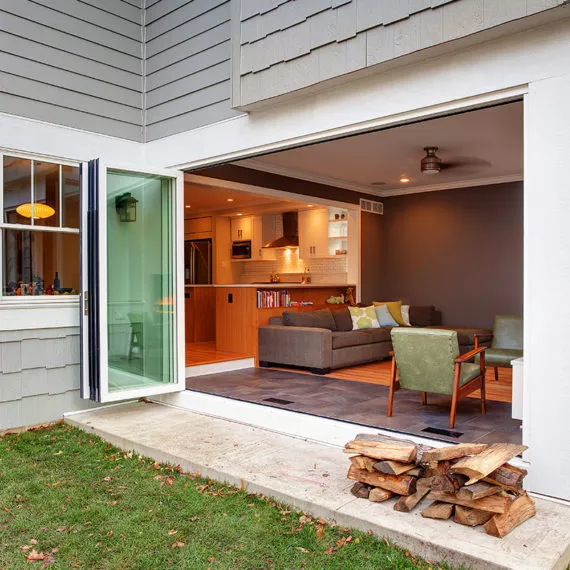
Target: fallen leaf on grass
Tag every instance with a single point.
(33, 541)
(169, 480)
(59, 452)
(177, 545)
(194, 519)
(34, 556)
(112, 502)
(320, 531)
(304, 519)
(211, 559)
(61, 528)
(110, 533)
(304, 550)
(172, 531)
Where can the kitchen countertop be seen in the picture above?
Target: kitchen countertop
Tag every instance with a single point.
(279, 285)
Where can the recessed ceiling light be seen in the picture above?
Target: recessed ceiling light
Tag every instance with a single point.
(188, 206)
(309, 205)
(404, 179)
(229, 199)
(240, 214)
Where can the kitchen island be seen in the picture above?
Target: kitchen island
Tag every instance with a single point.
(238, 314)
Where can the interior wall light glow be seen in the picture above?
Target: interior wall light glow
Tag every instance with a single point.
(229, 199)
(404, 179)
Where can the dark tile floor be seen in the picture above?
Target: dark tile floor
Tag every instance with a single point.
(364, 403)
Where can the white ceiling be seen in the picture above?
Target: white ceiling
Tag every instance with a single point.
(489, 140)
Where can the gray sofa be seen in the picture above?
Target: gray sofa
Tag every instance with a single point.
(320, 348)
(323, 340)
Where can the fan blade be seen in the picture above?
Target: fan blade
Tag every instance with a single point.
(460, 161)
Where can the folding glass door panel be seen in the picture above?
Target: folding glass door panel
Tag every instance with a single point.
(133, 284)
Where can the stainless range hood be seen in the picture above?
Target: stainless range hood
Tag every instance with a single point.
(290, 236)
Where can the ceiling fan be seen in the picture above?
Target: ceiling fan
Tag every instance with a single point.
(432, 164)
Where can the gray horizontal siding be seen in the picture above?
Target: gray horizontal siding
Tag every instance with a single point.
(286, 45)
(39, 376)
(75, 63)
(188, 70)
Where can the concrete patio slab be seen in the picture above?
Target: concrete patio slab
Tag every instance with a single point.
(312, 476)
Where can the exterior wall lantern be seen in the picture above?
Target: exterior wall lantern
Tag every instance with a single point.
(126, 207)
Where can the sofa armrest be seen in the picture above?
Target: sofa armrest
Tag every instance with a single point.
(296, 346)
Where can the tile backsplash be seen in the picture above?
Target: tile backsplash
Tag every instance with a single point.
(291, 268)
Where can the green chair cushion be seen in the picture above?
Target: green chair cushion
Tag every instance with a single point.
(468, 372)
(508, 332)
(501, 356)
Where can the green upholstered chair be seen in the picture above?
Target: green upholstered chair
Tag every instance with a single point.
(507, 342)
(428, 360)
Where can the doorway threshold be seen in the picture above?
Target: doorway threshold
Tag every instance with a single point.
(217, 367)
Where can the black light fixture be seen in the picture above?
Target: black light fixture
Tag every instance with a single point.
(431, 163)
(126, 207)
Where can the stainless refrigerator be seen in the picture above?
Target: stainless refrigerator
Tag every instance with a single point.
(198, 262)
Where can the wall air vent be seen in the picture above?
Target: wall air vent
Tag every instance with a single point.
(371, 206)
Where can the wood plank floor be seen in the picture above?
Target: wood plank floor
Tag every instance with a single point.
(206, 353)
(379, 373)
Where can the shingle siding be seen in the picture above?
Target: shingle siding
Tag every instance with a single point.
(39, 376)
(287, 45)
(188, 68)
(73, 63)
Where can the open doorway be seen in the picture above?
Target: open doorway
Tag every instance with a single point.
(448, 245)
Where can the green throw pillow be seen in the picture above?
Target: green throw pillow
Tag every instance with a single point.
(363, 318)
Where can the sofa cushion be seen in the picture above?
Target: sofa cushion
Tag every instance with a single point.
(384, 317)
(363, 318)
(359, 337)
(395, 309)
(422, 316)
(321, 319)
(342, 319)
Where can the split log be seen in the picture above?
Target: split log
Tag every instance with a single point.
(438, 510)
(399, 484)
(477, 491)
(520, 510)
(363, 462)
(453, 452)
(507, 476)
(417, 471)
(379, 495)
(435, 468)
(443, 483)
(361, 490)
(406, 504)
(471, 517)
(404, 452)
(494, 503)
(478, 466)
(393, 467)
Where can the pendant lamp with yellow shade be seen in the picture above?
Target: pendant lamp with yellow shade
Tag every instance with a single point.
(40, 211)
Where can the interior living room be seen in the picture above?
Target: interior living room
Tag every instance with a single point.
(240, 245)
(439, 217)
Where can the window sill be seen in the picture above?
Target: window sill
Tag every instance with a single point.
(39, 301)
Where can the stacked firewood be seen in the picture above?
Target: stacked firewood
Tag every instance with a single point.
(471, 482)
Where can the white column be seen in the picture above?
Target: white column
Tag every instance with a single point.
(547, 284)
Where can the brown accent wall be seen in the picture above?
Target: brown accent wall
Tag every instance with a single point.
(372, 257)
(460, 250)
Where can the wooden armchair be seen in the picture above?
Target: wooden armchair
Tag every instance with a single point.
(428, 360)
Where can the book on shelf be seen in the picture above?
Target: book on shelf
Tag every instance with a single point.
(268, 299)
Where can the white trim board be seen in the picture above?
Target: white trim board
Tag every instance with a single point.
(216, 367)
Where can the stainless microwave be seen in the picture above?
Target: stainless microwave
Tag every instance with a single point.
(241, 249)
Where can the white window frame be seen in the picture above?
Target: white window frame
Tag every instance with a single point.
(33, 300)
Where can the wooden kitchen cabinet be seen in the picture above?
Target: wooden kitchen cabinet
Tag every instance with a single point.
(242, 228)
(313, 233)
(200, 311)
(236, 329)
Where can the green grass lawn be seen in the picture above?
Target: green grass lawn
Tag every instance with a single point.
(82, 503)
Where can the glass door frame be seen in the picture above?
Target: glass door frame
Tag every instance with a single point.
(95, 367)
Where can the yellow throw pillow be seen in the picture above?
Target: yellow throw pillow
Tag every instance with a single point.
(395, 309)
